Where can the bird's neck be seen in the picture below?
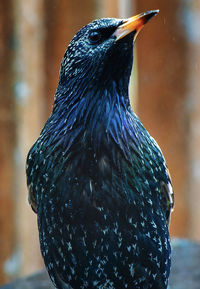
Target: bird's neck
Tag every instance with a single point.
(90, 105)
(93, 118)
(92, 113)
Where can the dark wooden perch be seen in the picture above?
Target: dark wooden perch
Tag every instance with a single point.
(185, 272)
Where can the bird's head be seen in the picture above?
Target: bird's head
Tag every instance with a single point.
(102, 51)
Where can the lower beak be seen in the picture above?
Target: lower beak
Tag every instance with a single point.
(134, 24)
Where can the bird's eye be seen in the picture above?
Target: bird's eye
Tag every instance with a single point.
(94, 37)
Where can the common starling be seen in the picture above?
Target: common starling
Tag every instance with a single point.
(96, 178)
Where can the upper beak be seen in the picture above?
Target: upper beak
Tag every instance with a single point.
(134, 23)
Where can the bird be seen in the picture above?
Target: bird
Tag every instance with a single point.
(96, 179)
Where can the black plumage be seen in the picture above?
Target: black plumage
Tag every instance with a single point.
(97, 180)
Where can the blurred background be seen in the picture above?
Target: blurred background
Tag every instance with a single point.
(165, 93)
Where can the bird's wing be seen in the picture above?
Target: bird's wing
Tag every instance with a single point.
(167, 197)
(166, 190)
(31, 199)
(166, 186)
(29, 177)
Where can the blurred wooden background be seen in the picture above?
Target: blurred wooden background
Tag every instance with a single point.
(33, 37)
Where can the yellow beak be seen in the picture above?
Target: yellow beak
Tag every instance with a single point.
(134, 23)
